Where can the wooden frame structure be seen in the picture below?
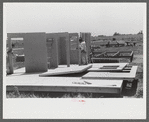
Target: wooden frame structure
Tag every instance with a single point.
(97, 56)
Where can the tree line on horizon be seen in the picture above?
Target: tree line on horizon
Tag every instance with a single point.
(118, 34)
(115, 34)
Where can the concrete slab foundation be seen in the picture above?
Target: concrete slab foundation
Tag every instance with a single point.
(32, 82)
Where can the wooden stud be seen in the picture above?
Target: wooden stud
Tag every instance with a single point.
(116, 53)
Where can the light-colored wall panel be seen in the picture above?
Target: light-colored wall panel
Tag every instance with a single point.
(66, 48)
(35, 52)
(87, 38)
(54, 50)
(74, 48)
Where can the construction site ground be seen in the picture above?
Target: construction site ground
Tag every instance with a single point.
(137, 60)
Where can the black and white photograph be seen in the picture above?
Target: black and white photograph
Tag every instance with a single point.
(59, 55)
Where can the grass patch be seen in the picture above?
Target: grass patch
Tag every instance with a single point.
(16, 94)
(139, 93)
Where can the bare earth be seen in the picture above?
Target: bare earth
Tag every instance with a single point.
(137, 60)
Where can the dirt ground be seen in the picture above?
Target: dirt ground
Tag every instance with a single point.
(137, 60)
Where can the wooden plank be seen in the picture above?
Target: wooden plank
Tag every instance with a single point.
(116, 53)
(125, 51)
(112, 75)
(98, 67)
(96, 52)
(111, 52)
(102, 54)
(103, 70)
(109, 64)
(131, 53)
(116, 60)
(67, 70)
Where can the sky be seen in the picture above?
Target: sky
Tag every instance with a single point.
(96, 18)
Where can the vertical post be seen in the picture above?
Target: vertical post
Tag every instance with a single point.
(10, 56)
(68, 50)
(88, 43)
(54, 53)
(79, 51)
(74, 51)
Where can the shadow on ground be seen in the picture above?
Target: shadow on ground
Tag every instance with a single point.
(129, 87)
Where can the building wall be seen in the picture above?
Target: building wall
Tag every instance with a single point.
(35, 52)
(63, 48)
(74, 48)
(54, 50)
